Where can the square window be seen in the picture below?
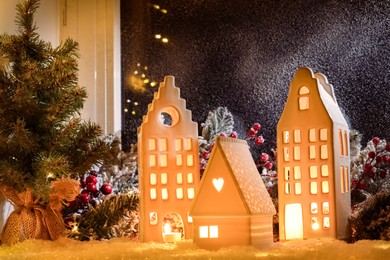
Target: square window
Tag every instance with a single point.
(162, 144)
(179, 178)
(313, 187)
(152, 160)
(297, 136)
(179, 159)
(152, 144)
(324, 170)
(177, 145)
(153, 218)
(323, 134)
(153, 179)
(325, 208)
(287, 173)
(326, 222)
(297, 153)
(190, 160)
(188, 144)
(213, 231)
(189, 218)
(164, 178)
(312, 152)
(153, 193)
(312, 135)
(286, 137)
(314, 223)
(313, 208)
(297, 172)
(303, 103)
(203, 231)
(190, 177)
(191, 193)
(298, 188)
(324, 152)
(313, 172)
(163, 160)
(286, 154)
(164, 193)
(325, 187)
(179, 193)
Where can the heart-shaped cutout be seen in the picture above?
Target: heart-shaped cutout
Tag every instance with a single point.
(218, 184)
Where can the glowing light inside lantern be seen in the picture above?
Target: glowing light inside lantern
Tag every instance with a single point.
(314, 223)
(293, 217)
(169, 236)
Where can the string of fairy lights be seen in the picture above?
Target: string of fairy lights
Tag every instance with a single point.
(139, 79)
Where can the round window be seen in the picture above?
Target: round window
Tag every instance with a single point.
(169, 116)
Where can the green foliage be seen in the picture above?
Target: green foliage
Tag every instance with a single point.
(116, 216)
(218, 121)
(41, 133)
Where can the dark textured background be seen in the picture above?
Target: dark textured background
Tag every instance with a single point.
(243, 55)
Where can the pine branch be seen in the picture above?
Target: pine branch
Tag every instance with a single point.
(218, 121)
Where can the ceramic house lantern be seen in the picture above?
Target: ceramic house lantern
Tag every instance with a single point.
(168, 167)
(313, 161)
(232, 205)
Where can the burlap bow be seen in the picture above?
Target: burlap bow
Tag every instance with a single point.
(30, 220)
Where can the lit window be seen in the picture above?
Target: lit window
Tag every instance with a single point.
(178, 145)
(286, 137)
(153, 179)
(325, 208)
(287, 173)
(303, 90)
(163, 160)
(152, 145)
(324, 152)
(297, 153)
(162, 144)
(297, 172)
(153, 218)
(203, 231)
(346, 178)
(190, 177)
(346, 143)
(179, 193)
(189, 218)
(179, 178)
(187, 144)
(179, 160)
(312, 135)
(286, 154)
(190, 160)
(287, 188)
(213, 231)
(298, 188)
(164, 193)
(313, 208)
(303, 103)
(312, 152)
(324, 170)
(342, 179)
(153, 193)
(313, 172)
(191, 193)
(326, 222)
(341, 143)
(313, 187)
(164, 178)
(325, 187)
(297, 136)
(152, 160)
(323, 134)
(314, 223)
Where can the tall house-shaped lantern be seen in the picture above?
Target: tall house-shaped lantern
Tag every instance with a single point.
(168, 166)
(232, 205)
(313, 161)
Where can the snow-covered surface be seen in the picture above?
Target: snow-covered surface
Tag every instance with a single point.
(122, 248)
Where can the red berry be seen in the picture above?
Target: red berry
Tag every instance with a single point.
(385, 158)
(376, 140)
(372, 174)
(83, 184)
(93, 173)
(256, 127)
(91, 187)
(259, 140)
(223, 135)
(382, 174)
(362, 185)
(378, 159)
(233, 135)
(252, 132)
(106, 189)
(84, 192)
(83, 198)
(268, 165)
(368, 167)
(72, 203)
(387, 148)
(371, 154)
(91, 179)
(264, 157)
(205, 155)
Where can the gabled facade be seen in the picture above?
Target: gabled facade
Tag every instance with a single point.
(168, 165)
(232, 205)
(313, 161)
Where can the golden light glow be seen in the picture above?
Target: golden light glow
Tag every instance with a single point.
(136, 103)
(314, 223)
(164, 11)
(167, 228)
(156, 7)
(157, 36)
(50, 175)
(294, 224)
(133, 112)
(152, 84)
(146, 81)
(164, 40)
(126, 110)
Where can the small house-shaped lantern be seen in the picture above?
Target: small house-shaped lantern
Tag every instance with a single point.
(232, 205)
(168, 167)
(313, 161)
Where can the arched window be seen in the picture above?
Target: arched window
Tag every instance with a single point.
(303, 98)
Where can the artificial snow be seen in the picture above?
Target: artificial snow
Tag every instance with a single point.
(122, 248)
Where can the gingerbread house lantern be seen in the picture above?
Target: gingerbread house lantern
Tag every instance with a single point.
(168, 167)
(313, 161)
(232, 205)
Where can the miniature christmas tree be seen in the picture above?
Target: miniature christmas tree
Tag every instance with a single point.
(42, 137)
